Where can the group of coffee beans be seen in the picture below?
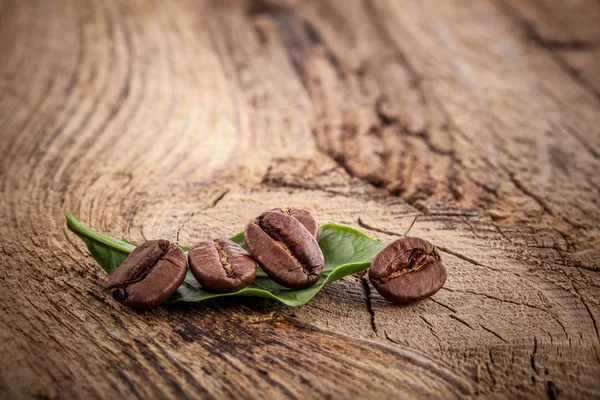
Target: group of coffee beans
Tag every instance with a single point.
(284, 243)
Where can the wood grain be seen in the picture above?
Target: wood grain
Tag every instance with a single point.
(183, 120)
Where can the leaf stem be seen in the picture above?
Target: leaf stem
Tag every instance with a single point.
(84, 232)
(410, 227)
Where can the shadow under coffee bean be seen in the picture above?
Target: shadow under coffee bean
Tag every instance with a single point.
(407, 270)
(149, 275)
(221, 266)
(285, 249)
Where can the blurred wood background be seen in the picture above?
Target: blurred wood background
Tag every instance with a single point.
(184, 119)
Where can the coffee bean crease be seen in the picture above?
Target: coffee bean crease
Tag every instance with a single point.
(221, 266)
(224, 258)
(291, 247)
(404, 265)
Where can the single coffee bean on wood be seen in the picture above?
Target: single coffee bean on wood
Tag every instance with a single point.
(149, 275)
(221, 266)
(285, 249)
(408, 270)
(304, 216)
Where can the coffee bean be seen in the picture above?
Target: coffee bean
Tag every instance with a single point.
(408, 270)
(149, 275)
(285, 249)
(304, 216)
(221, 266)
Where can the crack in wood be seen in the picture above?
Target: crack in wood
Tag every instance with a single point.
(587, 308)
(212, 204)
(583, 142)
(467, 259)
(532, 356)
(493, 333)
(447, 307)
(462, 321)
(363, 224)
(487, 366)
(316, 39)
(367, 293)
(425, 319)
(541, 202)
(552, 390)
(431, 329)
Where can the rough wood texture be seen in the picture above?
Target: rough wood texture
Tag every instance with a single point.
(183, 120)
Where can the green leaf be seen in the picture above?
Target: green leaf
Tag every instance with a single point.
(346, 250)
(107, 251)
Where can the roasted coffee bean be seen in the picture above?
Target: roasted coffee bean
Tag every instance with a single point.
(149, 275)
(221, 266)
(304, 216)
(285, 249)
(408, 270)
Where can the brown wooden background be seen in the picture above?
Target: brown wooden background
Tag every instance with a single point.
(184, 119)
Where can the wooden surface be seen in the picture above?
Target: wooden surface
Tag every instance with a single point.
(182, 120)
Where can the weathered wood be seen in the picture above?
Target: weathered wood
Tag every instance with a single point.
(183, 120)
